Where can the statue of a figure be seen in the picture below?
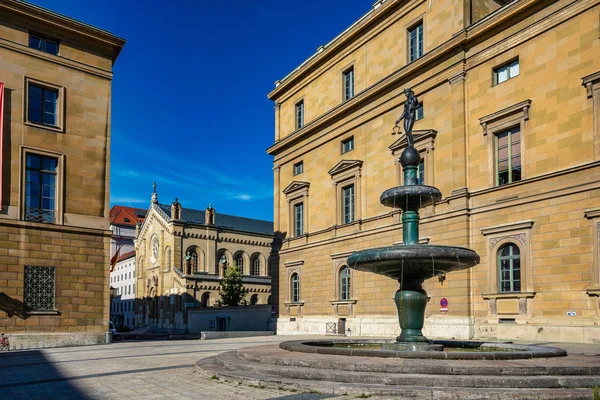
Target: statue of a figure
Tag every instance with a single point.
(188, 263)
(410, 107)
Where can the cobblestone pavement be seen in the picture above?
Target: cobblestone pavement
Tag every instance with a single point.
(128, 370)
(143, 370)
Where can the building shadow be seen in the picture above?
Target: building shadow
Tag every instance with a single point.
(5, 150)
(12, 307)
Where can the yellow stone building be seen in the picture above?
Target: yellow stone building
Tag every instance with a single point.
(182, 255)
(56, 74)
(508, 130)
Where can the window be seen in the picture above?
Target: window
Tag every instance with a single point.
(46, 45)
(345, 283)
(419, 112)
(254, 300)
(167, 261)
(508, 156)
(295, 288)
(506, 72)
(299, 219)
(415, 42)
(256, 266)
(299, 168)
(40, 192)
(239, 261)
(348, 204)
(349, 84)
(42, 105)
(348, 144)
(509, 267)
(300, 114)
(129, 290)
(38, 293)
(194, 260)
(421, 172)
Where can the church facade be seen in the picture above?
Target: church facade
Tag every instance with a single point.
(508, 128)
(182, 255)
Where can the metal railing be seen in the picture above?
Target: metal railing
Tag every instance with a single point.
(331, 328)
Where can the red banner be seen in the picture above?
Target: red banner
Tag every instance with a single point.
(1, 138)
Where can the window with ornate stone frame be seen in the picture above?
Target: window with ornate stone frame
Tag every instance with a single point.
(344, 174)
(342, 307)
(510, 117)
(594, 289)
(294, 304)
(32, 87)
(509, 304)
(592, 90)
(297, 193)
(424, 143)
(58, 217)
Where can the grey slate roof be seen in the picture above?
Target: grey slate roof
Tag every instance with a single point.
(223, 220)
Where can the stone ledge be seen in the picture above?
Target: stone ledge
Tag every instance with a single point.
(26, 341)
(516, 295)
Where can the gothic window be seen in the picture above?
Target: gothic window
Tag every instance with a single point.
(344, 281)
(256, 266)
(239, 262)
(509, 268)
(154, 250)
(295, 288)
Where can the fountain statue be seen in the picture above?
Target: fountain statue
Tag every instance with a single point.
(411, 263)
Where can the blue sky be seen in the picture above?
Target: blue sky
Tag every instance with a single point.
(189, 93)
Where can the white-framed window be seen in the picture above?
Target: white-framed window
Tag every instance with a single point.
(300, 114)
(415, 42)
(295, 288)
(349, 84)
(298, 168)
(348, 204)
(298, 219)
(344, 281)
(507, 146)
(348, 144)
(506, 71)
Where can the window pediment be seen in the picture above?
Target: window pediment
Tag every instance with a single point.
(296, 186)
(423, 139)
(345, 165)
(516, 111)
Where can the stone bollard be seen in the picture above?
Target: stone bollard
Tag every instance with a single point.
(109, 337)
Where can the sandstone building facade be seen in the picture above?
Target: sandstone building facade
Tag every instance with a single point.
(509, 131)
(56, 78)
(182, 255)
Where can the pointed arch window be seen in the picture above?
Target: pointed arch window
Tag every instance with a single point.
(509, 268)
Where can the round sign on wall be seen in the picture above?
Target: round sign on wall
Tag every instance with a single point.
(444, 302)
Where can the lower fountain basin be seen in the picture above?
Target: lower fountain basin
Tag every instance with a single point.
(452, 349)
(413, 261)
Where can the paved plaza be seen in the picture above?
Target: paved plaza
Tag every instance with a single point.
(144, 370)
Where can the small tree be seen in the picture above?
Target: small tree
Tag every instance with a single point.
(232, 290)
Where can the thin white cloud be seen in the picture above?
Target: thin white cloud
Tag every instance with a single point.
(243, 196)
(127, 200)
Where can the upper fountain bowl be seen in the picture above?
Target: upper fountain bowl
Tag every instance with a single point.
(421, 261)
(410, 197)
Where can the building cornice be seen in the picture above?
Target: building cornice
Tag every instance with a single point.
(98, 38)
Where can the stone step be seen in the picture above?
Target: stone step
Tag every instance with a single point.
(436, 367)
(231, 361)
(208, 368)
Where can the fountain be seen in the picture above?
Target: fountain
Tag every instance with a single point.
(411, 263)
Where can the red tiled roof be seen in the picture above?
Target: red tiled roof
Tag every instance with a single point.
(126, 256)
(129, 216)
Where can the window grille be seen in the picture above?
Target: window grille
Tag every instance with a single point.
(38, 293)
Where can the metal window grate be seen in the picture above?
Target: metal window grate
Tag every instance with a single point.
(331, 328)
(39, 288)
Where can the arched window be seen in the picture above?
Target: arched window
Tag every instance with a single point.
(256, 266)
(254, 299)
(239, 262)
(194, 255)
(205, 299)
(269, 300)
(295, 288)
(509, 268)
(167, 261)
(344, 280)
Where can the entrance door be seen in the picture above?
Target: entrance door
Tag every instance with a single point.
(341, 326)
(221, 324)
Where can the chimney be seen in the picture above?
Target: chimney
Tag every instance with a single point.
(176, 210)
(209, 215)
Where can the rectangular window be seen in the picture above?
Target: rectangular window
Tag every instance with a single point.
(38, 293)
(415, 42)
(46, 45)
(299, 168)
(349, 84)
(421, 172)
(300, 114)
(42, 105)
(348, 144)
(506, 72)
(508, 156)
(40, 188)
(348, 204)
(299, 219)
(419, 112)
